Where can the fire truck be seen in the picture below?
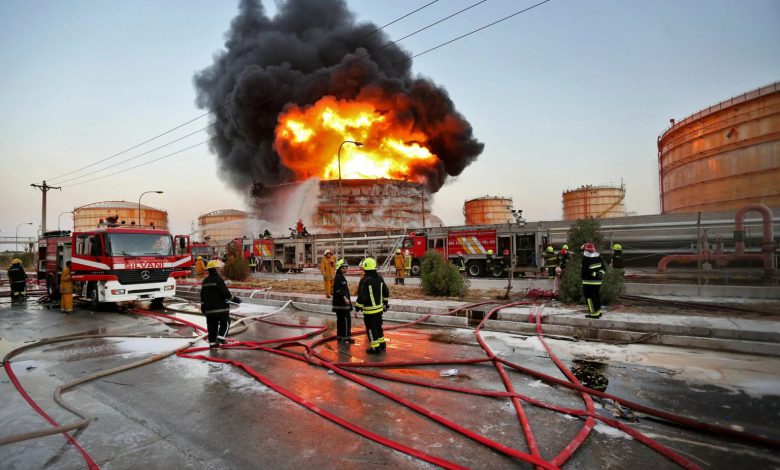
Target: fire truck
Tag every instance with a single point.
(523, 244)
(115, 264)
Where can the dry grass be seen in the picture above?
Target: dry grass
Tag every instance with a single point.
(396, 292)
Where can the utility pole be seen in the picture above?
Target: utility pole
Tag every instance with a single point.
(44, 188)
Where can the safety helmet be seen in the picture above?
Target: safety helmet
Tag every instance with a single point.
(328, 252)
(200, 257)
(617, 246)
(214, 264)
(589, 247)
(565, 247)
(341, 263)
(506, 251)
(490, 252)
(369, 264)
(16, 261)
(550, 249)
(398, 251)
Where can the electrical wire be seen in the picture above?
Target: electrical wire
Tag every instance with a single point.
(311, 80)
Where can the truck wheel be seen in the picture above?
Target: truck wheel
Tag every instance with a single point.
(474, 269)
(415, 271)
(157, 303)
(498, 271)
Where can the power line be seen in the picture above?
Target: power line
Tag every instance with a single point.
(143, 164)
(216, 108)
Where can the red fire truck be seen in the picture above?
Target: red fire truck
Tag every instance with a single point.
(294, 254)
(520, 244)
(116, 264)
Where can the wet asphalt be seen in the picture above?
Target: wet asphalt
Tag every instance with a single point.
(187, 413)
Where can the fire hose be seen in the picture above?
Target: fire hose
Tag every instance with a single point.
(348, 370)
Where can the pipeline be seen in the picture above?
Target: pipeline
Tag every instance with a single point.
(721, 259)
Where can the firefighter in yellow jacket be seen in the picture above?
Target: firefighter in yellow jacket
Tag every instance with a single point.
(372, 299)
(66, 289)
(200, 268)
(400, 267)
(328, 270)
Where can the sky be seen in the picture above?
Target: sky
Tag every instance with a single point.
(567, 94)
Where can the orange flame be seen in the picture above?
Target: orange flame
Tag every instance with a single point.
(308, 140)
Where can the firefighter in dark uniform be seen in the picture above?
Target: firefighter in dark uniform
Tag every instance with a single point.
(593, 270)
(617, 256)
(342, 304)
(564, 257)
(214, 297)
(550, 261)
(372, 299)
(460, 262)
(18, 280)
(489, 261)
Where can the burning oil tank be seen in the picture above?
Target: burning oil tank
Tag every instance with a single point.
(724, 156)
(488, 210)
(221, 226)
(598, 202)
(364, 204)
(127, 214)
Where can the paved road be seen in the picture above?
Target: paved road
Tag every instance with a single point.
(186, 413)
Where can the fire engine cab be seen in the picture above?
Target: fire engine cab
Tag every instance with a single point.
(116, 264)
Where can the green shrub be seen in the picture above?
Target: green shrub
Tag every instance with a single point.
(236, 269)
(570, 286)
(440, 278)
(582, 231)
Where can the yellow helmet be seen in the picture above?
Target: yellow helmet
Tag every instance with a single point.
(200, 257)
(617, 246)
(565, 247)
(213, 264)
(16, 261)
(341, 263)
(550, 249)
(369, 264)
(490, 252)
(398, 251)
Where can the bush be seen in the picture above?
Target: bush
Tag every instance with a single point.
(570, 287)
(236, 269)
(440, 278)
(582, 231)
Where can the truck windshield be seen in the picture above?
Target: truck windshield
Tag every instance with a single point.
(140, 244)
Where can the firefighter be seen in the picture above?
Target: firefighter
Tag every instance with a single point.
(593, 270)
(489, 261)
(214, 297)
(617, 256)
(550, 261)
(66, 289)
(328, 270)
(372, 299)
(400, 266)
(252, 264)
(200, 268)
(342, 304)
(564, 257)
(460, 262)
(407, 262)
(18, 279)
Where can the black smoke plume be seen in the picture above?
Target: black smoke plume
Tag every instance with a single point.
(310, 49)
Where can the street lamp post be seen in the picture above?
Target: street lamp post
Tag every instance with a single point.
(139, 203)
(58, 218)
(16, 242)
(341, 194)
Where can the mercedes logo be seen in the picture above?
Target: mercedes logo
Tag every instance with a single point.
(145, 275)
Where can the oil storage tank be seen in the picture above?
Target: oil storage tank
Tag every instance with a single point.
(127, 213)
(723, 157)
(598, 202)
(488, 210)
(221, 226)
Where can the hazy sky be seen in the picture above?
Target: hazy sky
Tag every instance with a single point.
(571, 93)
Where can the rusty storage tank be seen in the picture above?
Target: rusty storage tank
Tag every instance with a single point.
(598, 202)
(488, 210)
(221, 226)
(724, 156)
(372, 204)
(127, 213)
